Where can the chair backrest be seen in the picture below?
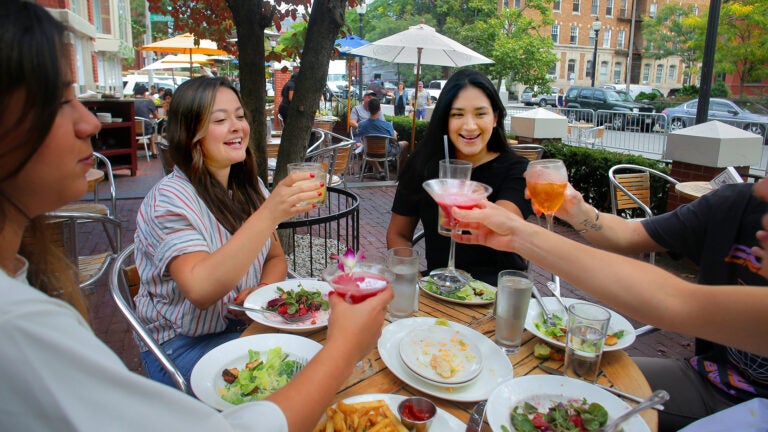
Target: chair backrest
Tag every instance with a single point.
(123, 285)
(375, 145)
(138, 126)
(528, 151)
(343, 156)
(633, 189)
(100, 160)
(319, 140)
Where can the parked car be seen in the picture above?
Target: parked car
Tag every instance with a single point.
(602, 99)
(635, 89)
(434, 88)
(740, 113)
(531, 97)
(384, 90)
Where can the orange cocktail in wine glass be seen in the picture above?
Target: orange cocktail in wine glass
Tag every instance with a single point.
(546, 180)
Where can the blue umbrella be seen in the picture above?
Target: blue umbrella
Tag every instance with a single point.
(345, 45)
(348, 43)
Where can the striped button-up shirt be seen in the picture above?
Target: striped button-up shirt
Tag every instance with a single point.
(172, 221)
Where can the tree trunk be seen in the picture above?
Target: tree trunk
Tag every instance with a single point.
(251, 17)
(325, 20)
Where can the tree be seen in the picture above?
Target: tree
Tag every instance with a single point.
(217, 20)
(742, 46)
(674, 32)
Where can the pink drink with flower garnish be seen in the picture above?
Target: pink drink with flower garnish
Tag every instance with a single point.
(359, 285)
(355, 279)
(464, 201)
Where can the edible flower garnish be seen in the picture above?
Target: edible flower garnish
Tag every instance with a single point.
(349, 260)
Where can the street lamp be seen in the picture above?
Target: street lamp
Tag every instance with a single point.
(596, 26)
(361, 8)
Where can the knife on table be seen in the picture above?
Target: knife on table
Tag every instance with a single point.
(476, 419)
(617, 392)
(547, 313)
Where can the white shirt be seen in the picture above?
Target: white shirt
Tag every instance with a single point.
(55, 374)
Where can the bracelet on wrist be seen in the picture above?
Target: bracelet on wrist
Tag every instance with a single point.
(587, 224)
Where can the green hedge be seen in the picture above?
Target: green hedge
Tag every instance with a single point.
(403, 125)
(588, 173)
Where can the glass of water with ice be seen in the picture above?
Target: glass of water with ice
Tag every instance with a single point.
(512, 297)
(404, 262)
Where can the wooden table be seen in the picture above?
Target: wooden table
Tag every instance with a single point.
(694, 190)
(618, 369)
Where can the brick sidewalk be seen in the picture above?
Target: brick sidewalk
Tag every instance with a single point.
(375, 202)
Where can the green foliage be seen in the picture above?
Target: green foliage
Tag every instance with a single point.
(403, 125)
(588, 173)
(650, 96)
(673, 32)
(688, 91)
(719, 89)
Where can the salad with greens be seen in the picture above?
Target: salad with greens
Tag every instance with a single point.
(571, 416)
(558, 331)
(263, 374)
(294, 303)
(473, 291)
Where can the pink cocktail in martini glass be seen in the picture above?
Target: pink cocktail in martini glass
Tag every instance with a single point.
(450, 193)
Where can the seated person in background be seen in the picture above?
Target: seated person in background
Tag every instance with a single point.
(50, 357)
(470, 114)
(717, 232)
(205, 234)
(145, 108)
(162, 111)
(361, 112)
(375, 125)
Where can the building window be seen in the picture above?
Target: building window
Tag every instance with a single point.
(588, 74)
(695, 10)
(604, 71)
(102, 19)
(576, 6)
(595, 7)
(556, 33)
(620, 39)
(571, 69)
(556, 6)
(517, 4)
(609, 8)
(617, 72)
(574, 35)
(553, 71)
(646, 73)
(623, 9)
(672, 74)
(652, 12)
(607, 38)
(659, 73)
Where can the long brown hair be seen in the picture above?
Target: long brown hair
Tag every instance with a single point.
(188, 119)
(34, 62)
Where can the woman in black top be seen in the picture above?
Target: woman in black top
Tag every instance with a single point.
(400, 99)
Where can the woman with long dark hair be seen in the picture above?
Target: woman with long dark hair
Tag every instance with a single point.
(471, 115)
(55, 373)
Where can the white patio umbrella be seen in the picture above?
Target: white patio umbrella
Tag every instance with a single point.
(185, 44)
(420, 44)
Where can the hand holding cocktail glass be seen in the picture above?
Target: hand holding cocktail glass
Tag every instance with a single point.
(546, 180)
(450, 193)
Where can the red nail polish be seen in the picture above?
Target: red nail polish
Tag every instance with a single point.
(319, 194)
(322, 184)
(311, 175)
(314, 205)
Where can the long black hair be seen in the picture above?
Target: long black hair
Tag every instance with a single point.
(431, 148)
(34, 79)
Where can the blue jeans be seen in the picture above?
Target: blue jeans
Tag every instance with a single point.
(421, 113)
(184, 351)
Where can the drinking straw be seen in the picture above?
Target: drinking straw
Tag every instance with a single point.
(445, 146)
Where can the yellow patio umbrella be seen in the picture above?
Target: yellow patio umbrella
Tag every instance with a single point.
(185, 44)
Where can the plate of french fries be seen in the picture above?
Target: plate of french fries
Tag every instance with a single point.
(377, 412)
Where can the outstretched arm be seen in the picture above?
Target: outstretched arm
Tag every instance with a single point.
(732, 315)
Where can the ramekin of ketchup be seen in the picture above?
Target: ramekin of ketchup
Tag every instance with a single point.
(417, 413)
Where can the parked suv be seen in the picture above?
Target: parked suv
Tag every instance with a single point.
(599, 99)
(530, 97)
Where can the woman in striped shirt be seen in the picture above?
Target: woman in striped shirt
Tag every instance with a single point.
(205, 234)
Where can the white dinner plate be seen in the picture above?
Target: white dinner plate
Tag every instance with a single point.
(443, 421)
(441, 296)
(543, 391)
(206, 375)
(449, 344)
(496, 365)
(261, 296)
(617, 323)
